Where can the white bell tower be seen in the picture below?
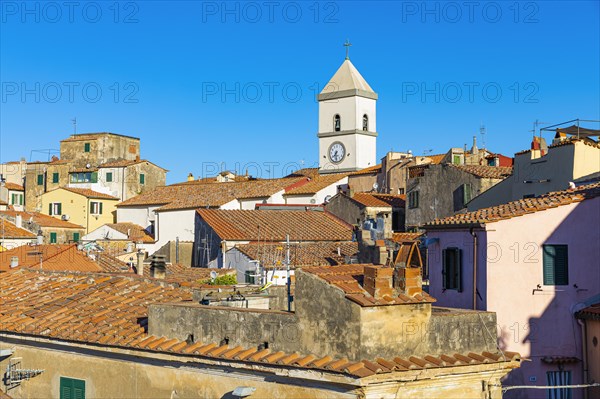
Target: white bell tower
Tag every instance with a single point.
(347, 122)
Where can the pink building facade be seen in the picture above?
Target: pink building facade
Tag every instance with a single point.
(537, 261)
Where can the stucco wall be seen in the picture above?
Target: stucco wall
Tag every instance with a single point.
(533, 323)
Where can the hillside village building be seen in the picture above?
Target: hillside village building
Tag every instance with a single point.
(108, 163)
(53, 230)
(534, 262)
(542, 170)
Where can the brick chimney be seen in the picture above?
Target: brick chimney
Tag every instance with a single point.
(407, 280)
(158, 267)
(378, 281)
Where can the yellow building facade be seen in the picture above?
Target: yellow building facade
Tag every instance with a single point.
(84, 207)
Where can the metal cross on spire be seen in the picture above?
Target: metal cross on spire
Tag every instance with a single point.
(347, 45)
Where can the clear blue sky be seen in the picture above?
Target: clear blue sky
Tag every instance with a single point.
(169, 63)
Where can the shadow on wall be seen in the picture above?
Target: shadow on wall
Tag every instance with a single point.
(568, 275)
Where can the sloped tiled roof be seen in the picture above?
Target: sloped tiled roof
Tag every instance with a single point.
(9, 230)
(273, 225)
(316, 184)
(112, 311)
(367, 171)
(41, 219)
(191, 196)
(401, 237)
(380, 200)
(591, 312)
(519, 208)
(134, 231)
(86, 192)
(301, 254)
(54, 257)
(484, 171)
(349, 278)
(94, 136)
(124, 163)
(13, 186)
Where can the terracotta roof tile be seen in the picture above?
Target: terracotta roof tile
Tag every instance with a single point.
(484, 171)
(273, 225)
(13, 186)
(367, 171)
(380, 200)
(86, 192)
(40, 219)
(272, 255)
(404, 236)
(192, 196)
(124, 163)
(58, 305)
(9, 230)
(317, 183)
(134, 231)
(349, 279)
(519, 208)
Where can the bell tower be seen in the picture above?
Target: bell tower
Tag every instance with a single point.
(347, 122)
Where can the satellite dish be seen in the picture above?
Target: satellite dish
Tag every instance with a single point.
(313, 201)
(327, 199)
(213, 275)
(375, 186)
(87, 165)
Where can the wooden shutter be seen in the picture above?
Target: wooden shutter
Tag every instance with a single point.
(444, 269)
(71, 388)
(50, 209)
(59, 209)
(53, 238)
(555, 265)
(458, 268)
(99, 208)
(40, 180)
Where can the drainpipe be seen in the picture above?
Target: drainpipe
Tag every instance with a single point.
(472, 231)
(584, 365)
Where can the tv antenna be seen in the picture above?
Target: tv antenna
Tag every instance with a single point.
(74, 122)
(482, 132)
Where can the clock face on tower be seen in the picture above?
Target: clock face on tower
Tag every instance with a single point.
(337, 152)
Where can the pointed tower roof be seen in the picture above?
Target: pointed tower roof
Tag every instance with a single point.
(347, 82)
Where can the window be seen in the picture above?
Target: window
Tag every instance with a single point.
(556, 264)
(456, 160)
(16, 199)
(70, 388)
(76, 237)
(452, 269)
(84, 177)
(55, 177)
(462, 195)
(40, 180)
(96, 208)
(365, 123)
(337, 123)
(55, 208)
(249, 277)
(142, 178)
(86, 147)
(52, 237)
(109, 177)
(559, 378)
(413, 199)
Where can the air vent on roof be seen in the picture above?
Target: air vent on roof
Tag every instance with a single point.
(14, 261)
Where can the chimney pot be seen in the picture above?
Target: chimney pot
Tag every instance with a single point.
(140, 263)
(378, 281)
(158, 267)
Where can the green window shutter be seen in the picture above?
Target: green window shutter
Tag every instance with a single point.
(458, 269)
(142, 178)
(555, 264)
(13, 199)
(76, 237)
(55, 177)
(100, 208)
(94, 177)
(40, 180)
(21, 199)
(71, 388)
(53, 238)
(59, 209)
(109, 177)
(467, 193)
(50, 209)
(86, 147)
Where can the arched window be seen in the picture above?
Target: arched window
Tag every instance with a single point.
(337, 123)
(365, 123)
